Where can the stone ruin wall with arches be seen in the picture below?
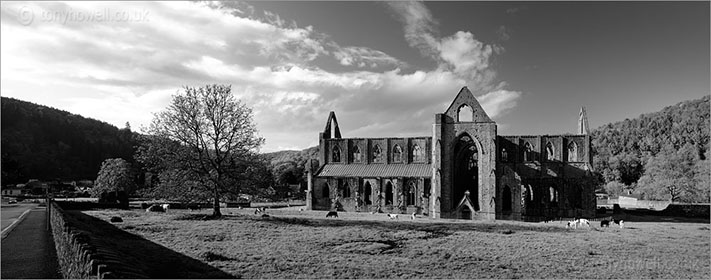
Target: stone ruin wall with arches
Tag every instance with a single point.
(463, 171)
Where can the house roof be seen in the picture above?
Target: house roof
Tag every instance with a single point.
(376, 170)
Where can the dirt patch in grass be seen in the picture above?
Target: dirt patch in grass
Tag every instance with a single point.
(294, 244)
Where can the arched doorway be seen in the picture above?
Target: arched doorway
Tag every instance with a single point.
(506, 200)
(466, 171)
(367, 194)
(388, 194)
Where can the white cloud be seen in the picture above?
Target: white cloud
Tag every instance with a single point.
(269, 63)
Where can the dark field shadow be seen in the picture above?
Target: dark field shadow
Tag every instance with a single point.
(435, 228)
(135, 254)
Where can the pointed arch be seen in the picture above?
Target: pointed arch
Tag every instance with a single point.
(550, 152)
(368, 192)
(411, 192)
(346, 189)
(397, 153)
(331, 130)
(504, 155)
(417, 153)
(465, 169)
(356, 154)
(388, 193)
(325, 193)
(377, 153)
(465, 113)
(528, 152)
(336, 154)
(572, 151)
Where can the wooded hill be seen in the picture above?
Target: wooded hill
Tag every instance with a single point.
(660, 155)
(40, 142)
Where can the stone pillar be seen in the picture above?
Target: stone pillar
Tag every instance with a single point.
(309, 186)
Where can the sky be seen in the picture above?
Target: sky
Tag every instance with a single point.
(384, 68)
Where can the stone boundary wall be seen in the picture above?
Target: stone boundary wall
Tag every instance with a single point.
(79, 257)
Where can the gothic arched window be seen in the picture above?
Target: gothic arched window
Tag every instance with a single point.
(397, 154)
(377, 154)
(465, 114)
(504, 155)
(572, 152)
(336, 154)
(550, 155)
(417, 154)
(356, 154)
(528, 152)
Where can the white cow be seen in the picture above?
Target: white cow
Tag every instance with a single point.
(165, 206)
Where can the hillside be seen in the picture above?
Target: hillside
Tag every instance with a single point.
(624, 152)
(40, 142)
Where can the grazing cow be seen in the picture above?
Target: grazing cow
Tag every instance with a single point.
(392, 216)
(260, 210)
(332, 214)
(165, 206)
(604, 223)
(619, 222)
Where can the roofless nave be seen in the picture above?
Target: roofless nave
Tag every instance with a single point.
(464, 170)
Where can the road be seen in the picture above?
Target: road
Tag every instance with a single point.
(10, 212)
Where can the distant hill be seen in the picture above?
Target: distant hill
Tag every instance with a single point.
(622, 150)
(40, 142)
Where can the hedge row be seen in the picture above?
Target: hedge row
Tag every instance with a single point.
(79, 257)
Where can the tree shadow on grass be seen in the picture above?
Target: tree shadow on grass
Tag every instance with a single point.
(137, 256)
(440, 228)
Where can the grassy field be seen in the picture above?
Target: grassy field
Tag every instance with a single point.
(294, 244)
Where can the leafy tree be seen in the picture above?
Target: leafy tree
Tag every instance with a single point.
(670, 175)
(115, 175)
(205, 135)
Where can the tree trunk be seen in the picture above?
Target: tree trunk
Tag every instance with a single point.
(216, 210)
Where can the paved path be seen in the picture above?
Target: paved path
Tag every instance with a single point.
(28, 250)
(10, 213)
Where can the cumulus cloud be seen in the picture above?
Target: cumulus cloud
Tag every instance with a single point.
(133, 72)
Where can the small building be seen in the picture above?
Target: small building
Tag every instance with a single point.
(463, 170)
(14, 191)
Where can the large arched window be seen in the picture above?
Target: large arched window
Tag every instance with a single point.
(325, 191)
(465, 114)
(572, 152)
(367, 194)
(553, 195)
(411, 193)
(388, 194)
(397, 154)
(377, 154)
(417, 154)
(336, 154)
(528, 152)
(506, 200)
(346, 190)
(550, 153)
(356, 154)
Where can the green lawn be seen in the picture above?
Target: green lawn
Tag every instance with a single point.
(294, 244)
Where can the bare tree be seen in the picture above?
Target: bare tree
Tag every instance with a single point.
(206, 132)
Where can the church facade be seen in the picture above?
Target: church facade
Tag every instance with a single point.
(463, 170)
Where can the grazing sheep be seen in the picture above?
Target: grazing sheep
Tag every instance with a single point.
(116, 219)
(165, 206)
(577, 223)
(260, 210)
(392, 216)
(413, 216)
(155, 208)
(332, 214)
